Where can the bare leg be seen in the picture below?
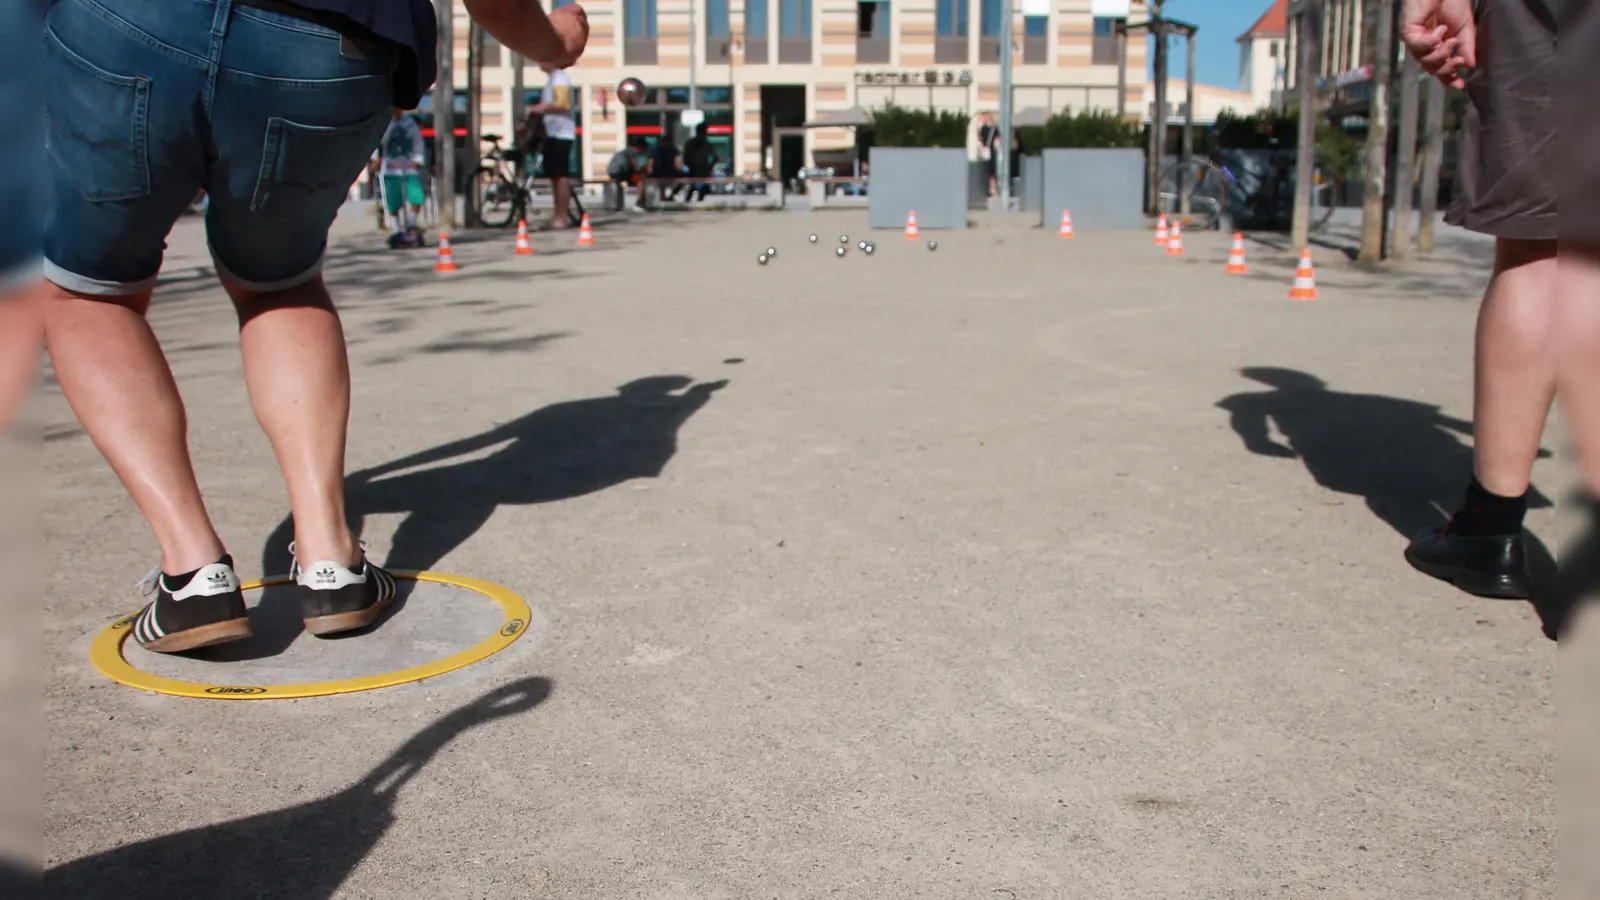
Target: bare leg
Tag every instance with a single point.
(1516, 369)
(563, 189)
(20, 341)
(112, 371)
(298, 374)
(1578, 319)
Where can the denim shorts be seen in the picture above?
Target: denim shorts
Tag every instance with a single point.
(147, 103)
(22, 161)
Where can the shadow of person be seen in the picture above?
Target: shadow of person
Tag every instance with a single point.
(558, 452)
(1403, 458)
(304, 852)
(1577, 583)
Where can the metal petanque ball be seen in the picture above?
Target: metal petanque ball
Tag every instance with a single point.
(813, 239)
(933, 245)
(862, 245)
(840, 251)
(869, 248)
(772, 251)
(844, 238)
(762, 259)
(630, 92)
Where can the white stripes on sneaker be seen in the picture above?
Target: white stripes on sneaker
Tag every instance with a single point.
(147, 629)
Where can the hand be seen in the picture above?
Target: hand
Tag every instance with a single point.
(571, 24)
(1443, 37)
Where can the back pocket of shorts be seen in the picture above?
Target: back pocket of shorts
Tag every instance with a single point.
(307, 170)
(96, 124)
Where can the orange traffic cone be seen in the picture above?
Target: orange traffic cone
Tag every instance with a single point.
(1161, 230)
(1305, 279)
(1236, 264)
(585, 232)
(1066, 224)
(1175, 241)
(911, 227)
(447, 259)
(523, 247)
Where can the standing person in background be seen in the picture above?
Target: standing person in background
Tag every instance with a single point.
(1503, 52)
(988, 143)
(272, 107)
(404, 156)
(561, 130)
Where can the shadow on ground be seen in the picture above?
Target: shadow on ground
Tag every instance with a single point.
(304, 852)
(1403, 458)
(558, 452)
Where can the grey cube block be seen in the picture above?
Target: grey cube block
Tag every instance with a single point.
(930, 180)
(1103, 187)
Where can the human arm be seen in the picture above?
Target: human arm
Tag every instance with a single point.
(1442, 35)
(523, 26)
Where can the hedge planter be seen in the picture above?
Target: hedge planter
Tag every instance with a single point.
(1103, 188)
(930, 180)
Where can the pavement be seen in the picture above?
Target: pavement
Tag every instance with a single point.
(1023, 568)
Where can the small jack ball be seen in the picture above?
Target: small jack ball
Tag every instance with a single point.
(844, 238)
(762, 259)
(813, 239)
(933, 245)
(772, 251)
(840, 251)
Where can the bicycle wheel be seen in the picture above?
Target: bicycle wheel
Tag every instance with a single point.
(497, 198)
(1202, 184)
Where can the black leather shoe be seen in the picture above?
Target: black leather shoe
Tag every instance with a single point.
(1486, 566)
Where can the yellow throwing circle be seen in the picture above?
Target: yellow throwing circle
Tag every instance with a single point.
(106, 652)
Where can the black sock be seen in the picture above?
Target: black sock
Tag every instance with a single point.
(1488, 515)
(177, 583)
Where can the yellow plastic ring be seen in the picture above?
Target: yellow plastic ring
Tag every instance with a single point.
(106, 652)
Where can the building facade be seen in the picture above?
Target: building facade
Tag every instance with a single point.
(761, 67)
(1264, 56)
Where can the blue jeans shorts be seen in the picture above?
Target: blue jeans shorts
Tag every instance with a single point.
(149, 102)
(22, 160)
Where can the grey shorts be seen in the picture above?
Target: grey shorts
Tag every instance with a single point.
(1506, 182)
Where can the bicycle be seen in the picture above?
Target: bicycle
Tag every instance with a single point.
(1263, 199)
(504, 192)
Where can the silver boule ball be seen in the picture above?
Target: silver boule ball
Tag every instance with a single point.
(762, 259)
(813, 239)
(862, 245)
(844, 238)
(869, 248)
(933, 245)
(840, 251)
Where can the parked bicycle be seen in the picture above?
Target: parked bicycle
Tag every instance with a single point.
(505, 188)
(1216, 193)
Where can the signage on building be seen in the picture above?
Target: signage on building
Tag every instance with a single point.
(1346, 79)
(930, 76)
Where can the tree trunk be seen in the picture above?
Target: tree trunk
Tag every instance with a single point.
(444, 118)
(1406, 164)
(474, 117)
(1378, 53)
(1432, 158)
(1308, 47)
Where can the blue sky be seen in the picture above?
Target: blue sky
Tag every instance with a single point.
(1216, 58)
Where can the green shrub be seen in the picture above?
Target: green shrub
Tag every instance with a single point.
(899, 126)
(1092, 128)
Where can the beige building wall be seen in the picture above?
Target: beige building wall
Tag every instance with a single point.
(1068, 76)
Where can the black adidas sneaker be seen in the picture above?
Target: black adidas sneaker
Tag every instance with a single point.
(334, 598)
(207, 609)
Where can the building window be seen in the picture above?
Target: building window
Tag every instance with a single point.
(755, 31)
(990, 13)
(1035, 40)
(794, 31)
(950, 44)
(872, 31)
(491, 51)
(1105, 41)
(719, 46)
(560, 3)
(639, 23)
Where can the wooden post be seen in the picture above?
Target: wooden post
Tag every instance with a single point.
(1432, 158)
(1406, 163)
(1378, 44)
(444, 117)
(1308, 44)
